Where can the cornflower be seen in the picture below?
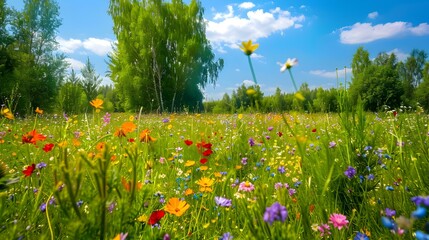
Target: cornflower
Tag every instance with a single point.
(275, 212)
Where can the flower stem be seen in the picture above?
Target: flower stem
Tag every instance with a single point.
(293, 80)
(251, 69)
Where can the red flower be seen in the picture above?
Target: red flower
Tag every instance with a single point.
(155, 217)
(207, 152)
(131, 140)
(395, 113)
(279, 134)
(48, 147)
(204, 145)
(314, 130)
(203, 160)
(29, 170)
(188, 142)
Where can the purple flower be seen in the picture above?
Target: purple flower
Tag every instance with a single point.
(165, 120)
(350, 172)
(223, 202)
(106, 119)
(275, 212)
(278, 185)
(251, 142)
(244, 161)
(79, 203)
(270, 128)
(292, 191)
(111, 207)
(166, 237)
(226, 236)
(281, 169)
(42, 207)
(52, 200)
(41, 165)
(390, 212)
(332, 144)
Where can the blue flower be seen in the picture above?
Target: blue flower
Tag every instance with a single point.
(388, 223)
(361, 236)
(421, 235)
(226, 236)
(275, 212)
(350, 172)
(419, 213)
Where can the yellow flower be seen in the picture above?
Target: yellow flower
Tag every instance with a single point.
(176, 207)
(6, 113)
(203, 168)
(97, 103)
(299, 96)
(248, 48)
(289, 64)
(39, 111)
(205, 184)
(189, 163)
(250, 91)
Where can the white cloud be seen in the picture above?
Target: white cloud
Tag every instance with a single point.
(246, 5)
(373, 15)
(98, 46)
(230, 31)
(401, 56)
(330, 74)
(256, 56)
(230, 14)
(68, 46)
(420, 30)
(248, 83)
(366, 32)
(74, 64)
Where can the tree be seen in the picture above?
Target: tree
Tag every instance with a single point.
(150, 64)
(37, 69)
(90, 81)
(70, 95)
(422, 91)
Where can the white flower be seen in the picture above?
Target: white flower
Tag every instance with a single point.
(289, 64)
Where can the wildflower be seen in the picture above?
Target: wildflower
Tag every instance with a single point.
(176, 207)
(166, 237)
(338, 220)
(32, 137)
(223, 202)
(42, 207)
(389, 188)
(39, 111)
(106, 119)
(248, 48)
(421, 235)
(419, 213)
(389, 212)
(48, 147)
(278, 185)
(41, 165)
(281, 169)
(202, 161)
(188, 142)
(251, 142)
(388, 223)
(207, 152)
(226, 236)
(244, 161)
(289, 64)
(121, 236)
(361, 236)
(332, 144)
(145, 137)
(246, 187)
(275, 212)
(350, 172)
(29, 170)
(324, 230)
(127, 184)
(205, 184)
(155, 217)
(6, 113)
(96, 103)
(125, 128)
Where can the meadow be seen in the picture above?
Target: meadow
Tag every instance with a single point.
(349, 175)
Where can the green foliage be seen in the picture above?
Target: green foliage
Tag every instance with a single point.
(162, 69)
(90, 81)
(29, 66)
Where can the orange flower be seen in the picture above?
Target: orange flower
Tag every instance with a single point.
(145, 137)
(32, 137)
(39, 111)
(127, 184)
(97, 103)
(176, 207)
(126, 127)
(6, 113)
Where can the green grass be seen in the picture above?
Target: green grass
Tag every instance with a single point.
(387, 152)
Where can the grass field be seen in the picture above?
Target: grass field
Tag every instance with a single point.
(352, 175)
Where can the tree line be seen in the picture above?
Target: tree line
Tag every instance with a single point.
(381, 83)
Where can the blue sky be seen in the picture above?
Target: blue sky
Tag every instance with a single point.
(322, 35)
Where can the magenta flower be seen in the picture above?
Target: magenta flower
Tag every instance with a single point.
(338, 220)
(246, 186)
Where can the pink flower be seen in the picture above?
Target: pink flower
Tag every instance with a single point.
(246, 186)
(338, 220)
